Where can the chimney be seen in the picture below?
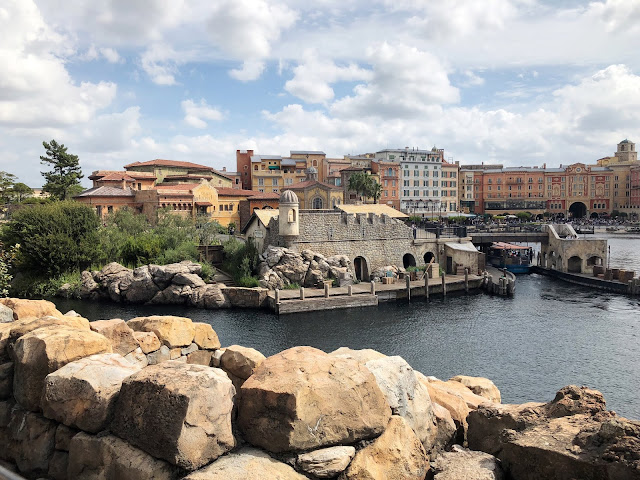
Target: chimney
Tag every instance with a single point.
(224, 169)
(544, 165)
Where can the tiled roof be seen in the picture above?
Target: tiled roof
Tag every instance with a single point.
(117, 176)
(107, 192)
(309, 183)
(178, 186)
(169, 163)
(306, 152)
(265, 196)
(235, 192)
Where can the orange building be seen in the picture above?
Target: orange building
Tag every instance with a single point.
(389, 174)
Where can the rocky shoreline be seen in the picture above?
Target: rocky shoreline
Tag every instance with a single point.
(160, 398)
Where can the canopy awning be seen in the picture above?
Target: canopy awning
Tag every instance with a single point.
(204, 204)
(508, 246)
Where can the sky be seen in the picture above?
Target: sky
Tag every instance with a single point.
(517, 82)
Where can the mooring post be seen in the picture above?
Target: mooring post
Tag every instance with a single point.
(326, 290)
(277, 296)
(350, 290)
(466, 280)
(301, 293)
(373, 287)
(444, 285)
(408, 283)
(426, 286)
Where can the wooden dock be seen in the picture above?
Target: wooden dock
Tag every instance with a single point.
(290, 301)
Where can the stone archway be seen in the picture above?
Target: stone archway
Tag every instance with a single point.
(593, 261)
(578, 210)
(428, 257)
(574, 265)
(361, 269)
(408, 260)
(317, 203)
(594, 215)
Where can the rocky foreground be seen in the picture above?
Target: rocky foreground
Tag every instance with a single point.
(158, 398)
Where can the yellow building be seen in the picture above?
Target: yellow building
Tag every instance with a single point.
(315, 195)
(173, 171)
(449, 186)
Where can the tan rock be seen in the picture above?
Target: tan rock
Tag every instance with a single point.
(175, 353)
(363, 356)
(454, 403)
(22, 327)
(446, 427)
(82, 394)
(178, 412)
(406, 396)
(148, 341)
(117, 331)
(241, 361)
(480, 386)
(173, 332)
(45, 350)
(302, 399)
(205, 336)
(137, 358)
(200, 357)
(461, 463)
(326, 462)
(106, 457)
(246, 464)
(23, 309)
(397, 454)
(472, 400)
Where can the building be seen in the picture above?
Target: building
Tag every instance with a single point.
(511, 190)
(272, 173)
(388, 173)
(449, 186)
(173, 171)
(314, 194)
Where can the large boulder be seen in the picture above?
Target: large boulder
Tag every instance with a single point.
(396, 454)
(162, 275)
(178, 412)
(82, 394)
(209, 296)
(116, 330)
(45, 350)
(106, 457)
(445, 427)
(23, 309)
(461, 463)
(363, 356)
(6, 314)
(241, 361)
(6, 380)
(142, 288)
(21, 327)
(406, 396)
(246, 464)
(205, 336)
(148, 341)
(480, 386)
(171, 331)
(326, 462)
(302, 399)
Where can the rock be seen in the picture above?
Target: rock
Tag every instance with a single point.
(190, 349)
(137, 358)
(571, 400)
(480, 386)
(119, 284)
(58, 465)
(89, 288)
(172, 295)
(171, 331)
(406, 396)
(64, 435)
(246, 464)
(23, 309)
(200, 357)
(363, 356)
(109, 273)
(216, 357)
(6, 314)
(190, 279)
(326, 462)
(241, 361)
(45, 350)
(142, 288)
(472, 400)
(72, 313)
(175, 353)
(163, 275)
(396, 454)
(465, 464)
(453, 403)
(445, 427)
(6, 380)
(31, 440)
(117, 331)
(178, 412)
(163, 354)
(205, 336)
(82, 394)
(106, 457)
(302, 399)
(24, 326)
(272, 255)
(148, 341)
(208, 296)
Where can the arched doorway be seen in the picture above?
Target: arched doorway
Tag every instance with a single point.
(594, 215)
(578, 210)
(575, 264)
(361, 269)
(428, 257)
(317, 203)
(594, 260)
(408, 260)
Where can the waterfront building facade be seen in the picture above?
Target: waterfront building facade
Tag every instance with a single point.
(449, 186)
(388, 173)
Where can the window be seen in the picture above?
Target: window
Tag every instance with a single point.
(274, 181)
(416, 183)
(261, 181)
(231, 207)
(317, 203)
(110, 209)
(393, 183)
(390, 172)
(406, 183)
(255, 167)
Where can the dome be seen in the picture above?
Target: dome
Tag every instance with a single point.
(312, 170)
(288, 197)
(625, 141)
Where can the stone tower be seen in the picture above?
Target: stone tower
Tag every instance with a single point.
(627, 152)
(288, 217)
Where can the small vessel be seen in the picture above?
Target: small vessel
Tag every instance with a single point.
(612, 229)
(634, 229)
(514, 258)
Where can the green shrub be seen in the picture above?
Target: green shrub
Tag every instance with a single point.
(208, 271)
(28, 286)
(240, 259)
(7, 257)
(249, 282)
(291, 286)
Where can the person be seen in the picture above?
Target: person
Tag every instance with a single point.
(415, 230)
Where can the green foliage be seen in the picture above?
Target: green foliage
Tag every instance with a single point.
(54, 238)
(240, 259)
(523, 216)
(65, 173)
(291, 286)
(415, 219)
(7, 257)
(207, 230)
(412, 268)
(247, 281)
(208, 271)
(546, 214)
(364, 185)
(20, 191)
(7, 181)
(457, 219)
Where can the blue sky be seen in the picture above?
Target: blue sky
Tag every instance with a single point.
(519, 82)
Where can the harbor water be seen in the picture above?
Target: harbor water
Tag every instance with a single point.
(550, 334)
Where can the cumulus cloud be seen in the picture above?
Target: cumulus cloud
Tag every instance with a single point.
(617, 15)
(251, 70)
(160, 62)
(195, 114)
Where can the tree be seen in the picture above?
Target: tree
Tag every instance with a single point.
(375, 191)
(364, 185)
(20, 191)
(66, 171)
(7, 181)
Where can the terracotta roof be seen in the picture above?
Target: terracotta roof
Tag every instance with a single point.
(235, 192)
(265, 196)
(103, 173)
(169, 163)
(117, 176)
(308, 183)
(178, 186)
(107, 192)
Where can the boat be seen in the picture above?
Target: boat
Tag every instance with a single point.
(514, 258)
(612, 229)
(634, 229)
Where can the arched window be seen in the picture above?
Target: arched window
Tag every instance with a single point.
(315, 163)
(317, 203)
(390, 172)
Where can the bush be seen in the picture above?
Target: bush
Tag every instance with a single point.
(7, 257)
(240, 259)
(291, 286)
(54, 238)
(247, 281)
(208, 271)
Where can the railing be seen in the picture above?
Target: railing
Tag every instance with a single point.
(456, 231)
(507, 229)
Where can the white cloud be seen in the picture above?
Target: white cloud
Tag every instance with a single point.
(471, 79)
(617, 15)
(111, 55)
(160, 62)
(251, 70)
(195, 114)
(313, 78)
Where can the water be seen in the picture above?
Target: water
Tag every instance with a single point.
(549, 335)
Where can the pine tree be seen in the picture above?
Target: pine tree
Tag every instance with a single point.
(66, 171)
